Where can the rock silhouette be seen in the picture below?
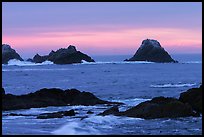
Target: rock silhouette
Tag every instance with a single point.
(51, 97)
(63, 56)
(151, 51)
(8, 53)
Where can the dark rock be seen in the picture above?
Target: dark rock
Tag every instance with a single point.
(15, 114)
(64, 56)
(160, 107)
(111, 111)
(3, 91)
(69, 113)
(193, 97)
(50, 97)
(50, 115)
(30, 60)
(59, 114)
(39, 59)
(89, 112)
(8, 53)
(151, 50)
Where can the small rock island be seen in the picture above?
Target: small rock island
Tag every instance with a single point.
(152, 51)
(67, 55)
(8, 53)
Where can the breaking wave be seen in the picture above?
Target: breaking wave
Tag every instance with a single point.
(194, 62)
(15, 62)
(116, 62)
(173, 85)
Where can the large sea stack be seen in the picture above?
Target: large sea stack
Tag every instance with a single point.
(8, 53)
(152, 51)
(63, 56)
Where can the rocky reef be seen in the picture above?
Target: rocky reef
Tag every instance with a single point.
(188, 104)
(151, 50)
(8, 53)
(67, 55)
(50, 97)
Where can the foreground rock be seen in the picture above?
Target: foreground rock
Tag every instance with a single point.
(193, 97)
(63, 56)
(51, 97)
(59, 114)
(8, 53)
(151, 50)
(111, 111)
(160, 107)
(2, 91)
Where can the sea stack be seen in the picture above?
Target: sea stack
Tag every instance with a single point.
(152, 51)
(8, 53)
(67, 55)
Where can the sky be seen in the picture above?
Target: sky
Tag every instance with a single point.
(101, 28)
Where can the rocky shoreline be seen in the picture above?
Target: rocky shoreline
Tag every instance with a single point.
(188, 104)
(50, 97)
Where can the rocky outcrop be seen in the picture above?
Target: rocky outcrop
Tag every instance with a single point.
(63, 56)
(39, 59)
(151, 51)
(160, 107)
(111, 111)
(59, 114)
(51, 97)
(193, 97)
(8, 53)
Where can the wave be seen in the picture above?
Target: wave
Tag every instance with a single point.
(75, 128)
(192, 62)
(131, 102)
(15, 62)
(90, 126)
(173, 85)
(116, 62)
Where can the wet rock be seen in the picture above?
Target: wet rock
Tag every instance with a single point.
(111, 111)
(160, 107)
(50, 115)
(69, 113)
(8, 53)
(15, 114)
(151, 50)
(59, 114)
(51, 97)
(193, 97)
(89, 112)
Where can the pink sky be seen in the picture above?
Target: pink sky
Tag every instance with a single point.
(107, 42)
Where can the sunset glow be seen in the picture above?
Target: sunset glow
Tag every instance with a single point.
(101, 38)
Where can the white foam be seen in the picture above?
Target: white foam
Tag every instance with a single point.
(15, 62)
(173, 85)
(192, 62)
(36, 69)
(75, 128)
(115, 62)
(131, 102)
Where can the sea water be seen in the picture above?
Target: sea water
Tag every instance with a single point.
(109, 78)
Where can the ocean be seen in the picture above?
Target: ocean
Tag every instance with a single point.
(109, 78)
